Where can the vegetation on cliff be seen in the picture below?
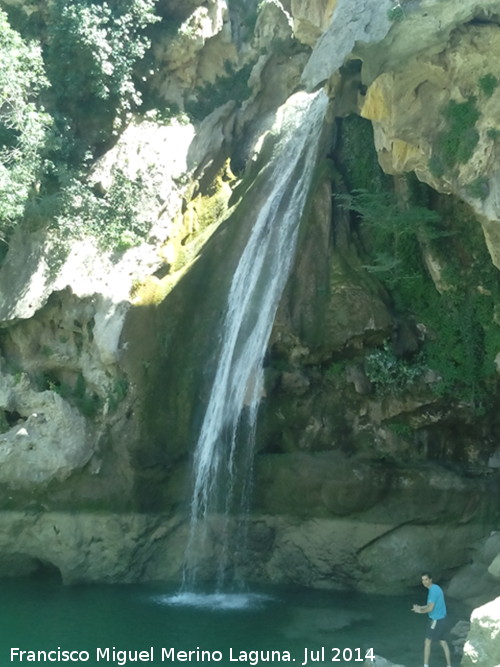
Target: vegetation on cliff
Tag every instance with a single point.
(65, 96)
(460, 347)
(24, 124)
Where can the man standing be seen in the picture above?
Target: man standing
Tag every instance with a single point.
(436, 609)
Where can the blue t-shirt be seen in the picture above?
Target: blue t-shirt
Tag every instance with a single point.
(436, 595)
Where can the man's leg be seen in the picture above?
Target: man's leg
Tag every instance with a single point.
(446, 650)
(427, 651)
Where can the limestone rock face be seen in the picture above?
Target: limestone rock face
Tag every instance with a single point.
(90, 547)
(37, 265)
(49, 440)
(198, 53)
(483, 646)
(414, 112)
(311, 19)
(478, 581)
(368, 506)
(62, 308)
(353, 21)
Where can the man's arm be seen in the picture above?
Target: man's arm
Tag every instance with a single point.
(423, 609)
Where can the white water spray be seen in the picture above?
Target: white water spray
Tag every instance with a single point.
(254, 295)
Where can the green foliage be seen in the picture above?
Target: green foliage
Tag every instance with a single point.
(91, 50)
(78, 395)
(335, 370)
(118, 219)
(232, 87)
(466, 340)
(401, 429)
(93, 46)
(390, 374)
(23, 123)
(488, 84)
(462, 338)
(459, 141)
(391, 230)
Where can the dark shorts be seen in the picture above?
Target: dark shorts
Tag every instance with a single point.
(438, 632)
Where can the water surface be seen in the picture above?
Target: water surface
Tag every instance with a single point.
(42, 614)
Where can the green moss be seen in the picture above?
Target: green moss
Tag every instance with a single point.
(356, 155)
(456, 144)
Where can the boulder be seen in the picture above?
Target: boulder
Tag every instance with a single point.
(482, 647)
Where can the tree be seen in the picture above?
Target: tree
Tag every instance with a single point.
(23, 123)
(92, 49)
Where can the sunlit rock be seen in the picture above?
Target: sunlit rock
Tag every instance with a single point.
(198, 53)
(353, 21)
(50, 440)
(311, 19)
(483, 642)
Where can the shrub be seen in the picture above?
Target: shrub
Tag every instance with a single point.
(390, 374)
(488, 83)
(92, 49)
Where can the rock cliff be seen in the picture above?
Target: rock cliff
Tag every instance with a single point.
(377, 442)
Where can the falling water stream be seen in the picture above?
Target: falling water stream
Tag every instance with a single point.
(225, 443)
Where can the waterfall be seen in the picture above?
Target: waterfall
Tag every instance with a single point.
(224, 451)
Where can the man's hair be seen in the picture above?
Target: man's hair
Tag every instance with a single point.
(427, 574)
